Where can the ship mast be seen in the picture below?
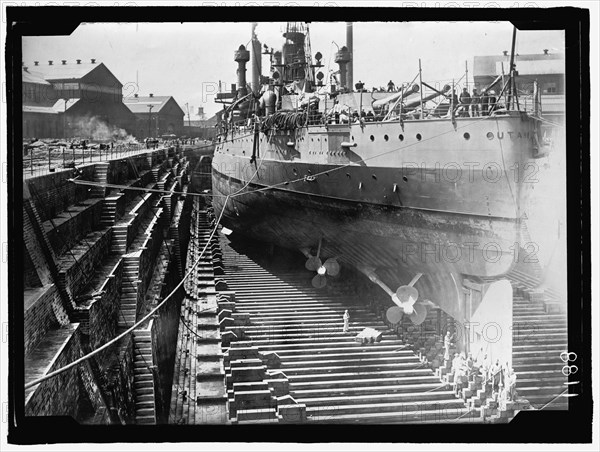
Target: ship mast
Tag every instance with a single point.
(511, 70)
(349, 66)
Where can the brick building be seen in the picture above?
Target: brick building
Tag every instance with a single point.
(73, 100)
(156, 115)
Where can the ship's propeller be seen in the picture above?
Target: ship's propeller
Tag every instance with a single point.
(405, 298)
(331, 267)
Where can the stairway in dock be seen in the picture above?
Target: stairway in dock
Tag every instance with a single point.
(143, 380)
(338, 379)
(538, 340)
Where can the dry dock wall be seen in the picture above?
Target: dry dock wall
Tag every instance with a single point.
(80, 273)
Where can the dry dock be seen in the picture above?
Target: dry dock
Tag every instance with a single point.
(242, 337)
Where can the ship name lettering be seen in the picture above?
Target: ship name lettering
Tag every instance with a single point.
(511, 134)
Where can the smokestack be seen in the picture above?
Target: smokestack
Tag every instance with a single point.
(505, 52)
(350, 67)
(50, 62)
(36, 63)
(545, 51)
(25, 68)
(342, 57)
(93, 60)
(241, 56)
(78, 61)
(64, 62)
(135, 95)
(256, 60)
(151, 95)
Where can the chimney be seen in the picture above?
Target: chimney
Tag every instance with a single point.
(64, 62)
(36, 63)
(505, 52)
(256, 60)
(135, 95)
(50, 62)
(93, 60)
(78, 61)
(545, 51)
(151, 95)
(344, 58)
(241, 56)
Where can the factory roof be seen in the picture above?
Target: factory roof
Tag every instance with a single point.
(68, 71)
(33, 77)
(58, 107)
(535, 63)
(39, 109)
(140, 104)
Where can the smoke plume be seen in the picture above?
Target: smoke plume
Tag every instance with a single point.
(98, 130)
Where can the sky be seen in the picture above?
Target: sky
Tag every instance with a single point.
(187, 60)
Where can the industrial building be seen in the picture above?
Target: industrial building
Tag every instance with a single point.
(155, 115)
(73, 100)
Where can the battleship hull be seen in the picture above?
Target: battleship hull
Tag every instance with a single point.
(447, 206)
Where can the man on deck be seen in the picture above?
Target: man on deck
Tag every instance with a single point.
(491, 102)
(485, 103)
(475, 100)
(465, 101)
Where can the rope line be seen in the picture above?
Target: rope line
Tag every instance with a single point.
(559, 395)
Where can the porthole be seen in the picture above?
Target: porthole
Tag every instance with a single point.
(419, 136)
(386, 138)
(401, 137)
(490, 136)
(324, 139)
(352, 137)
(405, 179)
(467, 136)
(372, 138)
